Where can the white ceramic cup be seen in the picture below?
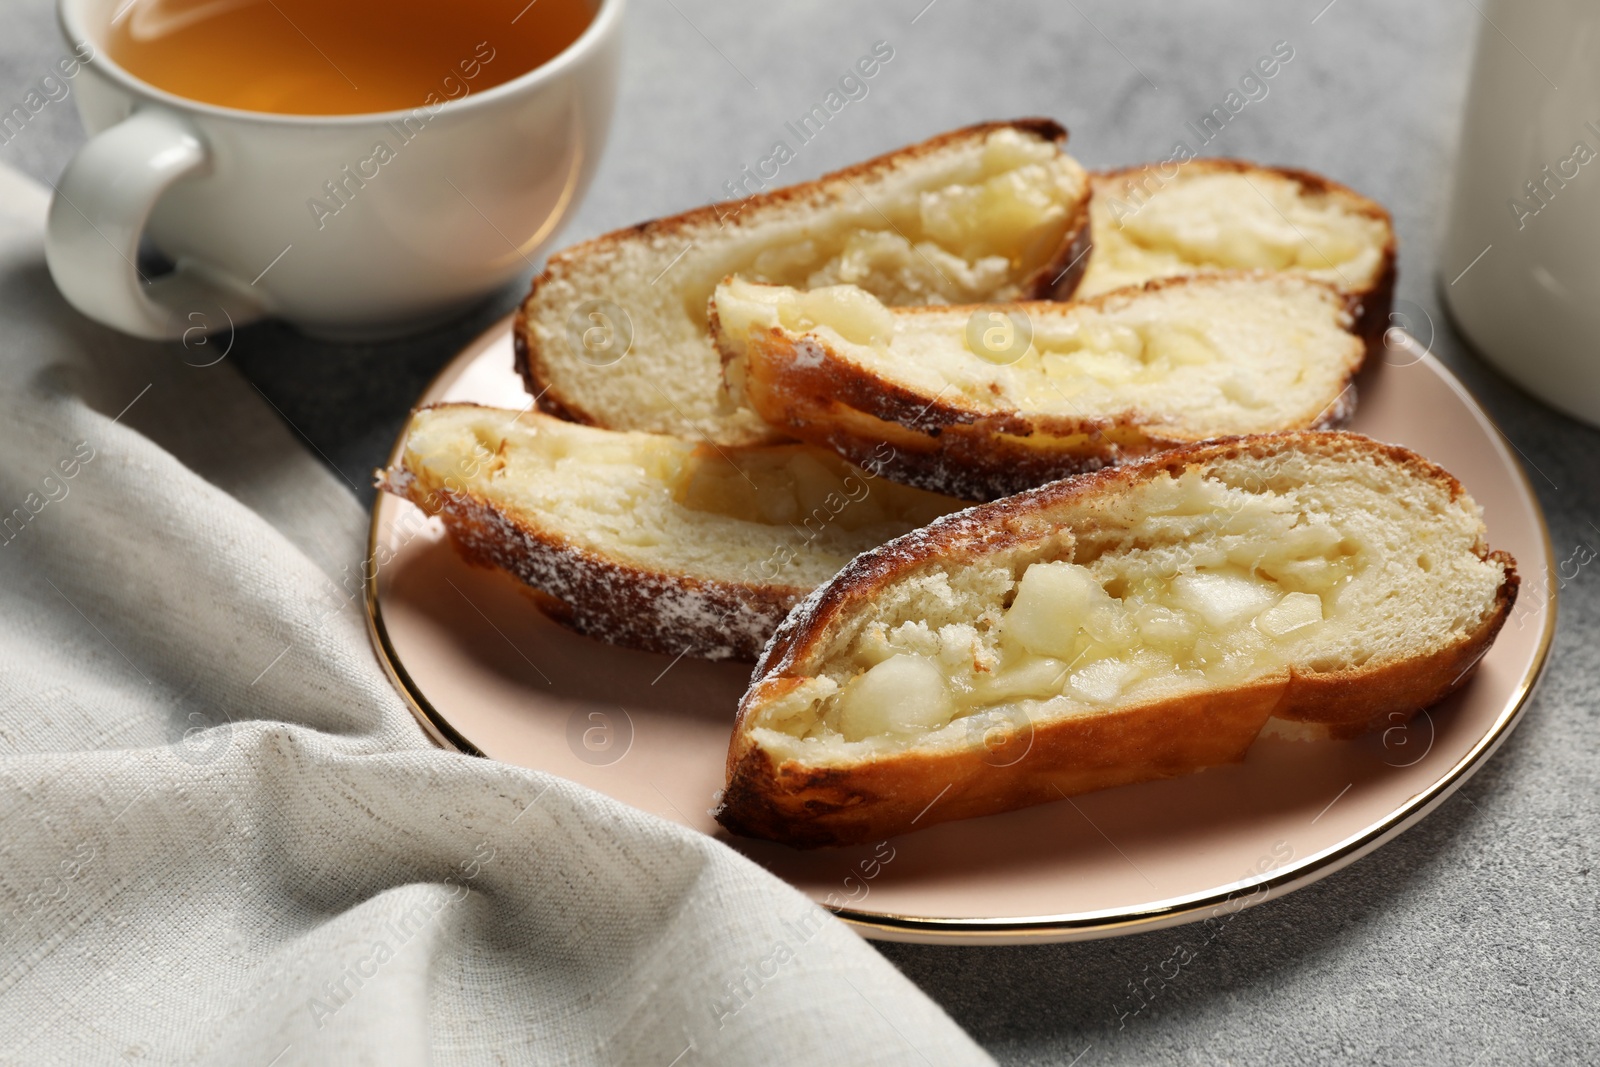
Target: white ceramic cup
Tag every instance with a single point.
(1520, 270)
(462, 199)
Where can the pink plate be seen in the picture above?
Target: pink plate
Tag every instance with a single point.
(488, 674)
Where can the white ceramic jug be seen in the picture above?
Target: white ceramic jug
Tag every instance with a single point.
(1520, 269)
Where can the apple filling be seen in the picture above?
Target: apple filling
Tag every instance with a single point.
(1228, 221)
(785, 484)
(785, 514)
(970, 238)
(1066, 635)
(1227, 355)
(1212, 584)
(1068, 352)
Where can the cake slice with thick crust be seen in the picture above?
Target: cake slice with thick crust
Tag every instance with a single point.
(980, 402)
(614, 332)
(1160, 220)
(1141, 622)
(646, 540)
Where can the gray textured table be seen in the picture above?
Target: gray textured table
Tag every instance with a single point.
(1462, 942)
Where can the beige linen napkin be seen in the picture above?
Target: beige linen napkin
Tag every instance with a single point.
(226, 841)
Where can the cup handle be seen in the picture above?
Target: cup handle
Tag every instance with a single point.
(99, 211)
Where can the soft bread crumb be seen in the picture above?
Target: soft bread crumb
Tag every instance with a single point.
(1217, 214)
(974, 216)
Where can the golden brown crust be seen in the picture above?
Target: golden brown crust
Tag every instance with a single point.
(812, 806)
(1057, 278)
(1372, 304)
(1350, 703)
(1374, 309)
(829, 401)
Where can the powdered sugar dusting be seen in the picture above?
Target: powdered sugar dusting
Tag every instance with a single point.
(611, 599)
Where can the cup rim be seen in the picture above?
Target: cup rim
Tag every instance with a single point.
(607, 16)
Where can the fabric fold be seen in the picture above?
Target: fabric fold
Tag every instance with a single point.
(227, 841)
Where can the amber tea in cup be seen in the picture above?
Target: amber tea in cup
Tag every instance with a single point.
(316, 57)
